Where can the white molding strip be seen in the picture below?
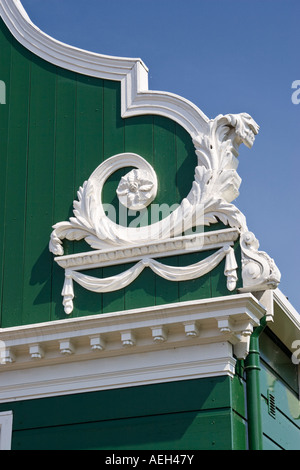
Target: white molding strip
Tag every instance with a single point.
(287, 307)
(177, 341)
(203, 241)
(6, 421)
(286, 324)
(136, 99)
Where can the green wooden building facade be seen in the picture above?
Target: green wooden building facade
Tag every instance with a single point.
(114, 336)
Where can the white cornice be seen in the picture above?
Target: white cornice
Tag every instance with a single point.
(286, 324)
(96, 374)
(136, 99)
(170, 342)
(241, 306)
(287, 307)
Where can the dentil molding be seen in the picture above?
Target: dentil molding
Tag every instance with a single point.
(170, 342)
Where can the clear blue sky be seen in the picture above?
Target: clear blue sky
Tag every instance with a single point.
(226, 56)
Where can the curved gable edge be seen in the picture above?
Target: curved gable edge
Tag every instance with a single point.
(136, 99)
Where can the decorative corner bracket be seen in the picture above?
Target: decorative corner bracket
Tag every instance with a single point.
(259, 271)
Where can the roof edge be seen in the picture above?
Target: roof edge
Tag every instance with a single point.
(136, 99)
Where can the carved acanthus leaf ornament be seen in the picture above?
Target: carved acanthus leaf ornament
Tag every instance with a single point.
(216, 184)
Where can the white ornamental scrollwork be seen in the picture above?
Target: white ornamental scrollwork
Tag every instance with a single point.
(90, 221)
(216, 184)
(259, 271)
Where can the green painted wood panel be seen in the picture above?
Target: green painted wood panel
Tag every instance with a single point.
(238, 391)
(238, 403)
(239, 432)
(65, 150)
(89, 127)
(268, 444)
(279, 377)
(180, 431)
(279, 359)
(192, 414)
(182, 396)
(281, 430)
(57, 127)
(16, 193)
(5, 64)
(40, 194)
(284, 428)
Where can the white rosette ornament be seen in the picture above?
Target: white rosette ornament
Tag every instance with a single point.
(136, 190)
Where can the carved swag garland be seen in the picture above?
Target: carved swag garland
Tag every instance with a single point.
(216, 184)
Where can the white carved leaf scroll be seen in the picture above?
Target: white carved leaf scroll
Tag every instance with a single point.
(216, 184)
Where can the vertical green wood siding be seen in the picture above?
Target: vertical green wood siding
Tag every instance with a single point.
(5, 49)
(55, 129)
